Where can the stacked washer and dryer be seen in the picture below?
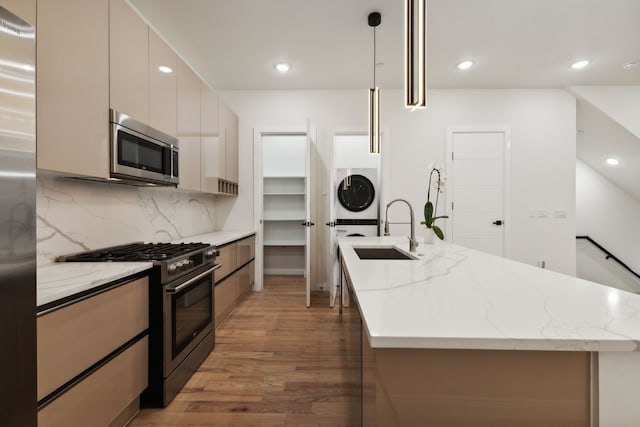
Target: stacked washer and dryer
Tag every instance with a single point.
(357, 207)
(356, 186)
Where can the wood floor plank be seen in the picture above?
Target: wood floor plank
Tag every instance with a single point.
(275, 363)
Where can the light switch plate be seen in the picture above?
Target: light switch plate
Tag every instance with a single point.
(560, 213)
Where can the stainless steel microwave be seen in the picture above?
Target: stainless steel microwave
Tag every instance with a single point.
(142, 153)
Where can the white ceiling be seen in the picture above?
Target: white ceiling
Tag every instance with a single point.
(233, 44)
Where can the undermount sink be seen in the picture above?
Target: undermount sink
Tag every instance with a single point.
(382, 252)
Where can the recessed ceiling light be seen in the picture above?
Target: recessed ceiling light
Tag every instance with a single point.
(631, 65)
(283, 67)
(613, 162)
(465, 65)
(578, 65)
(165, 69)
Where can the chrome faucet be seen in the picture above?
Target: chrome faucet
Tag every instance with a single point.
(413, 243)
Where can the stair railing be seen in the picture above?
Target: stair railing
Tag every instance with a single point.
(608, 255)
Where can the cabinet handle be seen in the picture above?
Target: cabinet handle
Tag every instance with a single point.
(497, 222)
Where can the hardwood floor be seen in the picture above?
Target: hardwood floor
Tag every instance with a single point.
(275, 363)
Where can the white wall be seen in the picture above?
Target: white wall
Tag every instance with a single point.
(621, 103)
(608, 215)
(542, 124)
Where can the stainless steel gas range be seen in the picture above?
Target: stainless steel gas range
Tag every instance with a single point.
(181, 309)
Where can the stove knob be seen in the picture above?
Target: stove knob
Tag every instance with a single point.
(171, 269)
(182, 265)
(189, 264)
(211, 253)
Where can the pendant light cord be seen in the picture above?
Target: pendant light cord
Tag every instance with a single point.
(374, 19)
(374, 57)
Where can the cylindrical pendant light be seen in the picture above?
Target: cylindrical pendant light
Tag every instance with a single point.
(416, 53)
(374, 20)
(374, 121)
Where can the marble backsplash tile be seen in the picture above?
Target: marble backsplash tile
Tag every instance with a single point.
(75, 216)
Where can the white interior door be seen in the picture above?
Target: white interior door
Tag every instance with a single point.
(478, 205)
(258, 210)
(332, 265)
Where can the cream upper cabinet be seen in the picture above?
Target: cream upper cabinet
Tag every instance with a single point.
(219, 146)
(100, 54)
(23, 9)
(162, 85)
(129, 61)
(188, 127)
(228, 120)
(73, 84)
(212, 159)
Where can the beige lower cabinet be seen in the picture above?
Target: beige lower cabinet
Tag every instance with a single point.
(246, 249)
(235, 277)
(90, 369)
(226, 295)
(228, 260)
(99, 399)
(481, 388)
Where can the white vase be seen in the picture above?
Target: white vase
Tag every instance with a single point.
(429, 235)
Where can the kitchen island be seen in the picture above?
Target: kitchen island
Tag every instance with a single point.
(456, 337)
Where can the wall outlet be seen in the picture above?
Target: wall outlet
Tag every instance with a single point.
(560, 213)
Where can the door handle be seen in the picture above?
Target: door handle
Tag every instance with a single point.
(497, 222)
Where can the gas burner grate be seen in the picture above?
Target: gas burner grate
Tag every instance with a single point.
(136, 252)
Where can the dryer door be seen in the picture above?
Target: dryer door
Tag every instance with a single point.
(356, 193)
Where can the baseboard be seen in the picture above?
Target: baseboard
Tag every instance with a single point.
(284, 272)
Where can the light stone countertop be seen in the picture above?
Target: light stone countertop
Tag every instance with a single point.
(217, 238)
(62, 280)
(454, 297)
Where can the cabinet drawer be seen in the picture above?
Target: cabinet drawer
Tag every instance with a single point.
(73, 338)
(246, 249)
(226, 294)
(245, 279)
(227, 260)
(102, 396)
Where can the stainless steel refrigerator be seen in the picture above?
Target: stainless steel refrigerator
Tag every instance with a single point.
(17, 221)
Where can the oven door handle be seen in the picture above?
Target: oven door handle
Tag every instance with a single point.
(189, 282)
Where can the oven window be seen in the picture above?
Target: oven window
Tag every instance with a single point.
(138, 153)
(192, 312)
